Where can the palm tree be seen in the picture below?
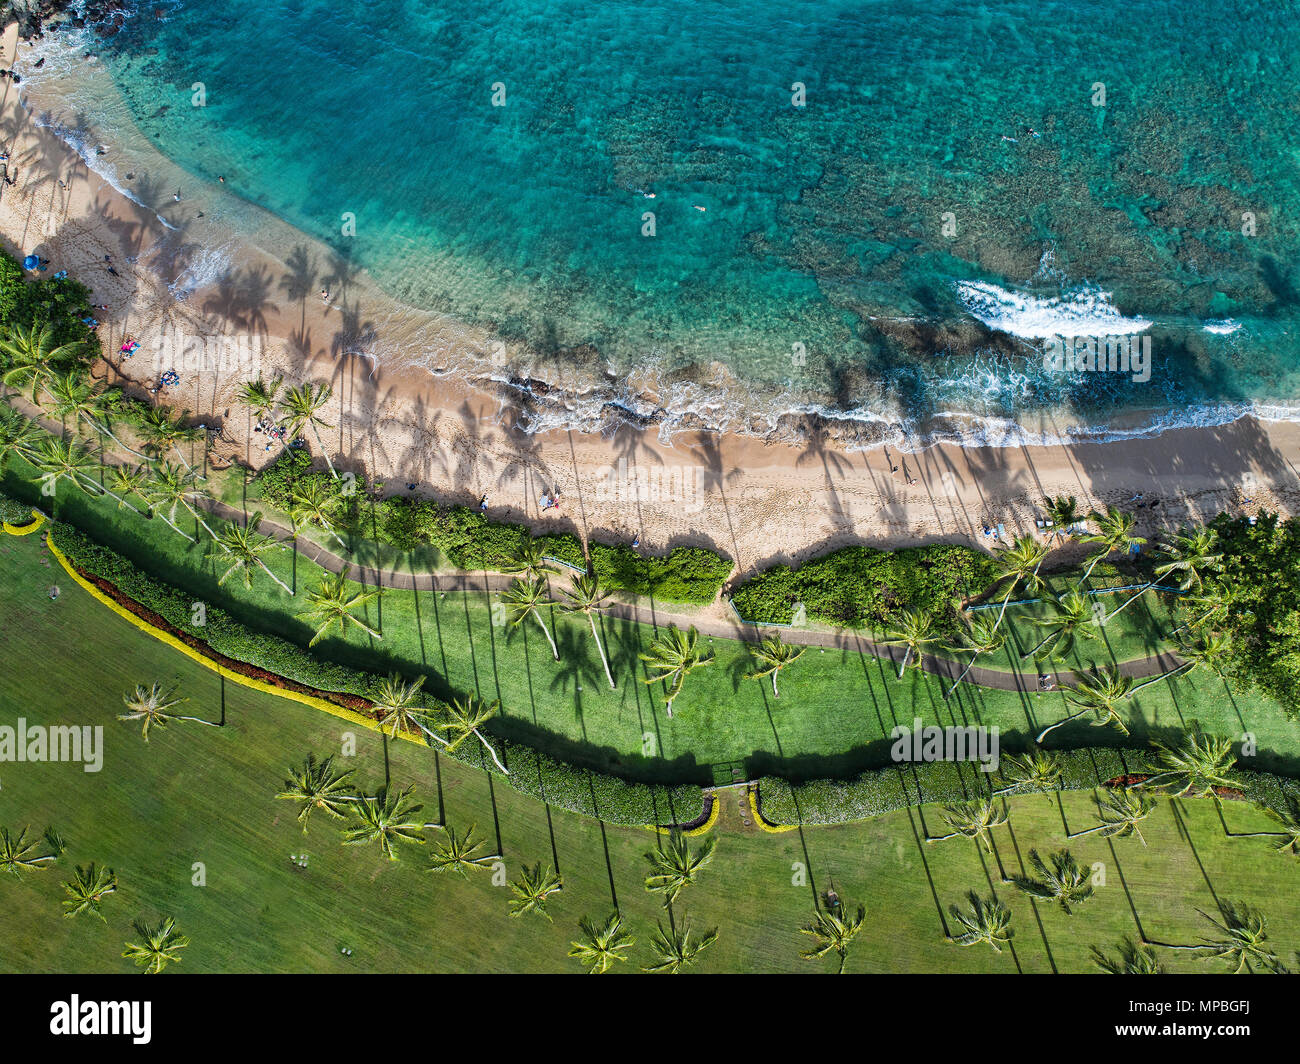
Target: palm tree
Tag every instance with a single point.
(1063, 512)
(243, 549)
(532, 888)
(1071, 615)
(676, 865)
(983, 921)
(1242, 932)
(160, 430)
(601, 946)
(317, 785)
(16, 854)
(153, 705)
(972, 820)
(35, 357)
(386, 818)
(1037, 772)
(980, 636)
(65, 460)
(524, 599)
(676, 949)
(463, 717)
(396, 707)
(161, 946)
(1060, 879)
(1123, 808)
(1133, 959)
(529, 560)
(259, 396)
(128, 481)
(18, 436)
(1019, 563)
(772, 655)
(915, 631)
(171, 487)
(73, 397)
(584, 597)
(301, 404)
(1114, 533)
(87, 890)
(1100, 692)
(309, 502)
(1192, 554)
(331, 604)
(834, 933)
(1287, 818)
(1194, 769)
(459, 854)
(1209, 652)
(674, 656)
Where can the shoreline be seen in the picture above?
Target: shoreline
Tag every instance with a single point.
(757, 501)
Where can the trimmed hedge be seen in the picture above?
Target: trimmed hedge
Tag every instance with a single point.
(469, 540)
(531, 772)
(860, 587)
(883, 790)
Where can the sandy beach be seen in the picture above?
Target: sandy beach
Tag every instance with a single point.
(759, 502)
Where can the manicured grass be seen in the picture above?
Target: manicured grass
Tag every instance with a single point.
(198, 794)
(833, 718)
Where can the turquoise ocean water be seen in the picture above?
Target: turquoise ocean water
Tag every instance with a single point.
(963, 180)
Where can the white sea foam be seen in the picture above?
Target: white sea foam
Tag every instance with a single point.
(1223, 327)
(1085, 311)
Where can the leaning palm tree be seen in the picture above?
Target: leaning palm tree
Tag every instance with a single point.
(532, 888)
(1195, 768)
(259, 396)
(1100, 692)
(1036, 772)
(529, 560)
(1063, 512)
(982, 921)
(915, 631)
(333, 604)
(1071, 616)
(301, 405)
(16, 855)
(1241, 934)
(585, 597)
(153, 706)
(88, 889)
(35, 356)
(396, 706)
(72, 396)
(128, 481)
(1060, 879)
(311, 502)
(1019, 564)
(171, 488)
(771, 655)
(1209, 652)
(1192, 554)
(979, 636)
(672, 657)
(524, 599)
(19, 436)
(676, 949)
(601, 945)
(1132, 959)
(972, 820)
(318, 785)
(1114, 534)
(160, 431)
(1122, 810)
(459, 854)
(1287, 817)
(462, 717)
(386, 818)
(676, 866)
(65, 461)
(159, 946)
(242, 548)
(834, 933)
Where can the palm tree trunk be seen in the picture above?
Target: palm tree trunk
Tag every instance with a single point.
(112, 436)
(1184, 667)
(775, 692)
(1010, 591)
(1091, 565)
(188, 468)
(969, 665)
(113, 494)
(488, 745)
(1136, 595)
(1059, 723)
(603, 660)
(272, 575)
(907, 656)
(554, 650)
(173, 527)
(1030, 653)
(324, 453)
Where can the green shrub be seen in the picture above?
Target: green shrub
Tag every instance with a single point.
(686, 574)
(862, 587)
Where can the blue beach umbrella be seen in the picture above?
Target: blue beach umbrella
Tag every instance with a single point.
(31, 262)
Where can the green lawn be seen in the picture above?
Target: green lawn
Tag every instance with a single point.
(833, 718)
(197, 794)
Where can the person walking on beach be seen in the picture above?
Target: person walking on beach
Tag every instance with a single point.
(482, 504)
